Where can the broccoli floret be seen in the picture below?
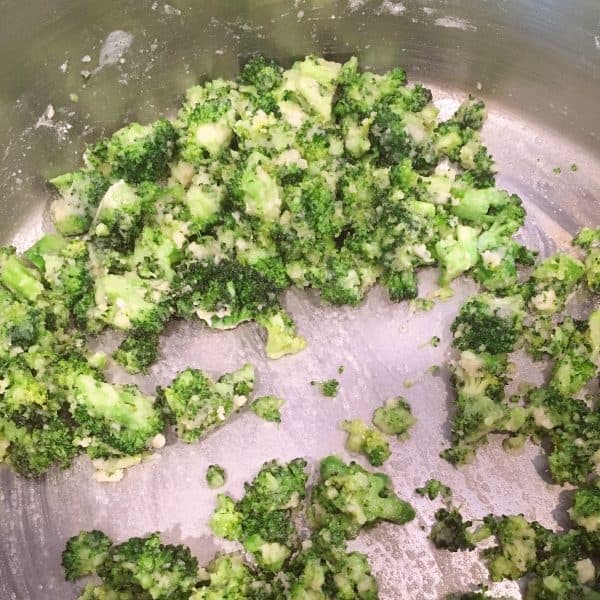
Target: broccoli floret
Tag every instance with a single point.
(267, 408)
(230, 578)
(434, 488)
(262, 519)
(367, 440)
(589, 240)
(496, 269)
(215, 476)
(22, 281)
(136, 152)
(457, 253)
(282, 338)
(128, 302)
(120, 416)
(488, 324)
(84, 553)
(515, 554)
(586, 508)
(156, 252)
(552, 281)
(394, 417)
(137, 352)
(145, 567)
(260, 76)
(311, 84)
(32, 452)
(471, 113)
(329, 387)
(348, 497)
(80, 193)
(118, 220)
(450, 531)
(194, 403)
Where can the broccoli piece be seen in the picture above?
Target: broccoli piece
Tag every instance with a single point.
(488, 324)
(329, 387)
(137, 352)
(130, 303)
(457, 253)
(119, 217)
(262, 519)
(119, 416)
(394, 417)
(348, 497)
(207, 120)
(496, 269)
(32, 451)
(146, 568)
(22, 281)
(479, 380)
(515, 554)
(260, 77)
(80, 192)
(222, 294)
(215, 476)
(552, 281)
(589, 240)
(267, 408)
(85, 553)
(450, 531)
(576, 364)
(585, 511)
(136, 153)
(229, 577)
(434, 488)
(366, 440)
(194, 403)
(157, 251)
(282, 338)
(310, 84)
(471, 113)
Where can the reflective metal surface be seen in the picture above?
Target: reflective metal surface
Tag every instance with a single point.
(538, 64)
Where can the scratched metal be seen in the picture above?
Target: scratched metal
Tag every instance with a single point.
(538, 64)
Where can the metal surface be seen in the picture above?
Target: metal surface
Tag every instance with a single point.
(537, 62)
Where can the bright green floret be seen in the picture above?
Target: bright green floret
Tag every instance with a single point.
(215, 476)
(367, 440)
(434, 488)
(328, 388)
(394, 417)
(85, 553)
(267, 408)
(194, 403)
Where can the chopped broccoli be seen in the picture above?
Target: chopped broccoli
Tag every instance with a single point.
(434, 488)
(586, 508)
(194, 403)
(394, 417)
(215, 476)
(267, 408)
(85, 553)
(348, 497)
(450, 531)
(328, 388)
(367, 440)
(137, 352)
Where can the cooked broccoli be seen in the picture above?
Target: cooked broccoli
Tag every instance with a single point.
(488, 324)
(450, 531)
(282, 338)
(194, 403)
(367, 440)
(328, 388)
(85, 553)
(586, 508)
(267, 408)
(22, 281)
(118, 416)
(145, 567)
(215, 476)
(589, 240)
(136, 152)
(137, 352)
(394, 417)
(262, 519)
(434, 488)
(348, 497)
(80, 193)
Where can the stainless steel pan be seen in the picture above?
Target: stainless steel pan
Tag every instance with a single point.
(537, 62)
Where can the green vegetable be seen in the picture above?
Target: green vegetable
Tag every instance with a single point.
(328, 387)
(267, 408)
(394, 417)
(215, 476)
(367, 440)
(434, 488)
